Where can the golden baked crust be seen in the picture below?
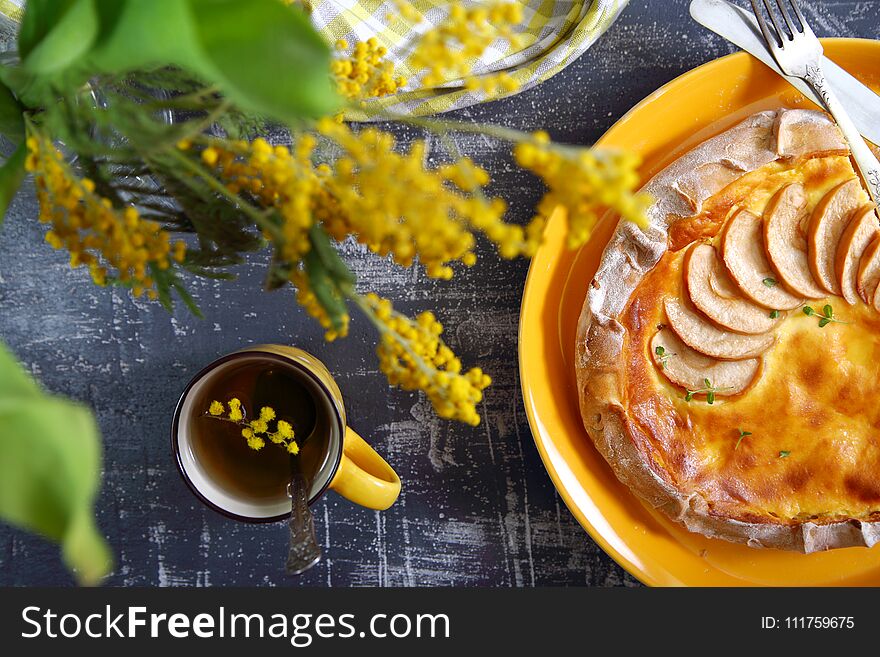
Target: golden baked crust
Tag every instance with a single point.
(807, 475)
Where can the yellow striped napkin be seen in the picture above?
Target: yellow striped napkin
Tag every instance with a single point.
(553, 34)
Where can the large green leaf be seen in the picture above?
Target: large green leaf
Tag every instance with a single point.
(11, 121)
(50, 463)
(56, 33)
(11, 175)
(265, 57)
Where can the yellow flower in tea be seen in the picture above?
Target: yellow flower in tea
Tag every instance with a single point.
(257, 432)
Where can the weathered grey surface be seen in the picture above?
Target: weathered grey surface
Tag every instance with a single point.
(477, 507)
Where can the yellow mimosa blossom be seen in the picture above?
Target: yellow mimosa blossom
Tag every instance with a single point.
(365, 74)
(259, 426)
(276, 178)
(584, 182)
(256, 443)
(95, 233)
(447, 52)
(307, 299)
(395, 206)
(235, 412)
(284, 429)
(257, 431)
(413, 356)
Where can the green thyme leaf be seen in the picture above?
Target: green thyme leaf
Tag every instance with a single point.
(660, 350)
(774, 314)
(742, 435)
(769, 282)
(710, 397)
(828, 311)
(824, 322)
(783, 454)
(809, 312)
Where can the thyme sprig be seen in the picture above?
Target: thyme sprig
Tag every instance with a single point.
(827, 316)
(663, 356)
(709, 390)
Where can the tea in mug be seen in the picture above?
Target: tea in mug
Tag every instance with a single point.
(218, 444)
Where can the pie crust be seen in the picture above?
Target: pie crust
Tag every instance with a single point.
(791, 458)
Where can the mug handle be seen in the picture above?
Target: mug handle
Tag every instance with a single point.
(364, 477)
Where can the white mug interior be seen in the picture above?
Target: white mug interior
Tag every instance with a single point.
(211, 489)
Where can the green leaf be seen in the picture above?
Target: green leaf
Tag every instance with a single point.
(824, 322)
(323, 287)
(828, 311)
(11, 115)
(774, 314)
(267, 57)
(769, 282)
(809, 312)
(11, 174)
(50, 463)
(329, 256)
(56, 33)
(784, 453)
(264, 56)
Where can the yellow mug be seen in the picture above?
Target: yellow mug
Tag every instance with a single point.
(347, 464)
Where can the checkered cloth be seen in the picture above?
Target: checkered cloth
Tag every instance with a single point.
(554, 34)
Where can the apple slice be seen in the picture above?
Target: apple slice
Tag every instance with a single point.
(713, 292)
(829, 220)
(860, 232)
(869, 271)
(708, 339)
(690, 369)
(785, 227)
(742, 249)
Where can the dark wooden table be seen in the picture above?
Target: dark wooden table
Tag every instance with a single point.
(477, 506)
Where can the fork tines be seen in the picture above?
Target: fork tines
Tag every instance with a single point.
(791, 14)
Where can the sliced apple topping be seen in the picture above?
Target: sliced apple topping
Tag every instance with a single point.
(869, 272)
(714, 293)
(829, 220)
(803, 132)
(690, 369)
(858, 235)
(785, 238)
(705, 337)
(744, 255)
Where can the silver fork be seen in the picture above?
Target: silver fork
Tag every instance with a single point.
(799, 54)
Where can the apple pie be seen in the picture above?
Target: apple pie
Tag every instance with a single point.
(727, 355)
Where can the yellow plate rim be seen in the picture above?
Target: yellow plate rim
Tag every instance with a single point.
(567, 491)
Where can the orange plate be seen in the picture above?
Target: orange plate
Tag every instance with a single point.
(659, 552)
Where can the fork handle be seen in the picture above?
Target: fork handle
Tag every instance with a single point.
(867, 164)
